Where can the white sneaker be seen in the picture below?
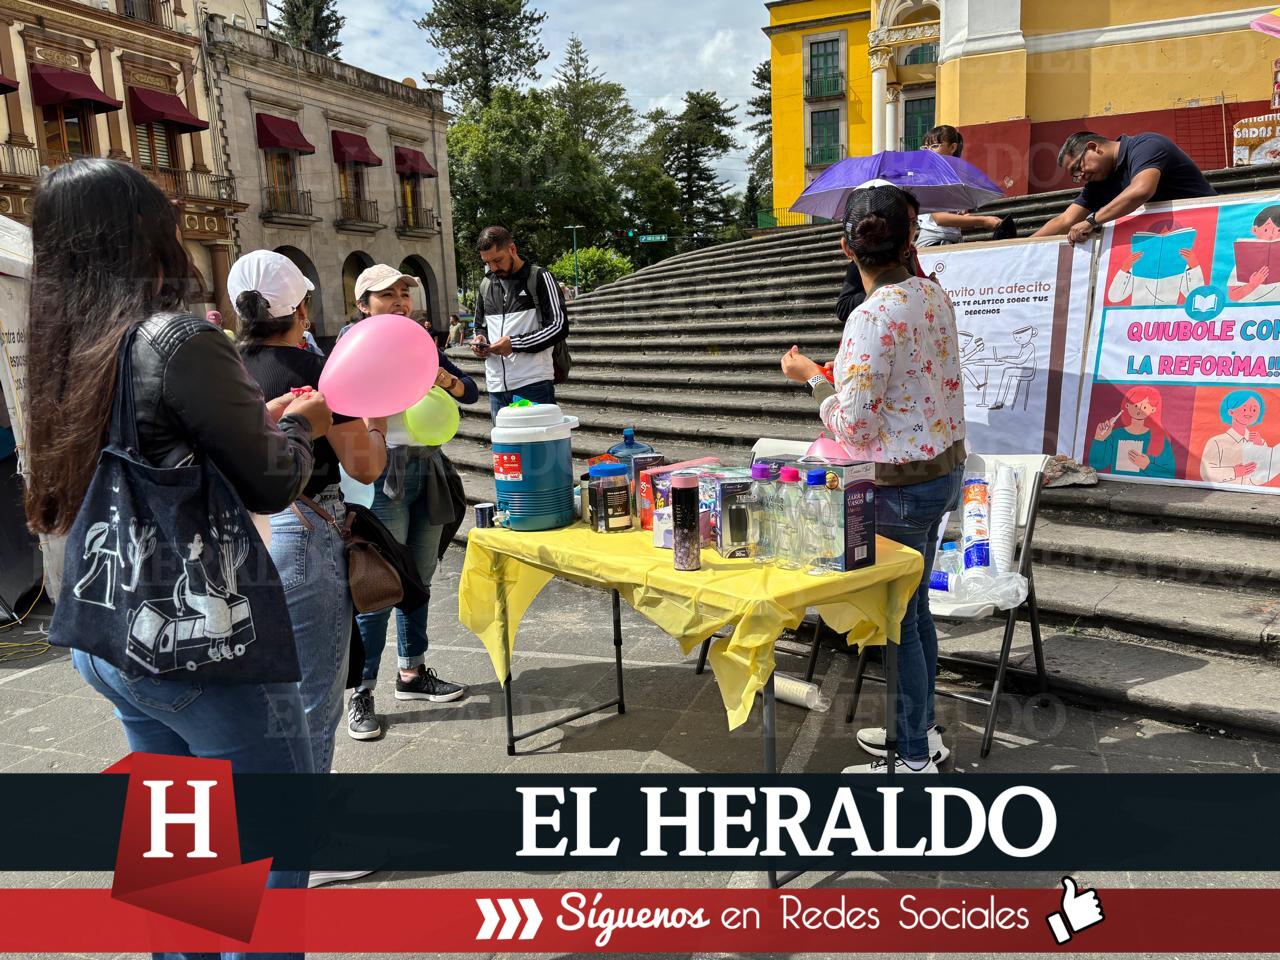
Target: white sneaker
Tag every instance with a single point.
(318, 878)
(882, 766)
(872, 740)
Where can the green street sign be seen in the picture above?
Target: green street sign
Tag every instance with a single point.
(652, 238)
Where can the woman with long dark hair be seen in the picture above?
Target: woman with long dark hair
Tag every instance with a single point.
(898, 401)
(107, 260)
(270, 293)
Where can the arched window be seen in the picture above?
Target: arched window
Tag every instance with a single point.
(352, 268)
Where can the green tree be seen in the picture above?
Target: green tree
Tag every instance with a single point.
(516, 162)
(485, 44)
(595, 108)
(596, 267)
(310, 24)
(760, 110)
(750, 202)
(690, 143)
(650, 203)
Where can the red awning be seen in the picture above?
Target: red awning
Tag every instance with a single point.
(154, 106)
(353, 148)
(410, 161)
(281, 133)
(53, 85)
(7, 85)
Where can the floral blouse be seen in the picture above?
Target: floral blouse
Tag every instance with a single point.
(899, 396)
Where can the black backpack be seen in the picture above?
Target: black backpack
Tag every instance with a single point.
(561, 361)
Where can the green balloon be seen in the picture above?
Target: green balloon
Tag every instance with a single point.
(433, 420)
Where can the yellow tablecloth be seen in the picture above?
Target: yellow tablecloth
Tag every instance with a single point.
(759, 600)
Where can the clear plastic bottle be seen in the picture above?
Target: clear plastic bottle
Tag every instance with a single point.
(947, 567)
(789, 519)
(766, 491)
(819, 524)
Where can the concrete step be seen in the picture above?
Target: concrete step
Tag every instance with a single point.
(747, 404)
(624, 374)
(1216, 558)
(820, 261)
(1112, 503)
(823, 289)
(660, 359)
(809, 250)
(781, 308)
(762, 336)
(1235, 694)
(622, 329)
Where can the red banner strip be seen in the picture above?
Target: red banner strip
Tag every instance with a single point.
(828, 920)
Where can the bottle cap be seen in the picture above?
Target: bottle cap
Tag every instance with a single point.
(610, 470)
(950, 545)
(817, 477)
(789, 475)
(628, 435)
(761, 471)
(684, 481)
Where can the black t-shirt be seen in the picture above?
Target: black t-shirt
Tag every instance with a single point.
(1180, 178)
(278, 370)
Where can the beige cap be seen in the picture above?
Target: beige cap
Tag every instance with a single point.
(379, 277)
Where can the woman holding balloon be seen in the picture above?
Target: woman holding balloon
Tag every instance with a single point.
(269, 293)
(418, 497)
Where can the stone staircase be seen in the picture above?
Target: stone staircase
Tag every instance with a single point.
(1163, 599)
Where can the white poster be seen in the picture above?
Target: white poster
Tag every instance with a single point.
(1184, 348)
(15, 270)
(1021, 312)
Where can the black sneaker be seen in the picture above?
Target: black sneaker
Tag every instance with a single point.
(427, 686)
(362, 722)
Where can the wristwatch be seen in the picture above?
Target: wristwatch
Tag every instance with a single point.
(817, 379)
(1092, 221)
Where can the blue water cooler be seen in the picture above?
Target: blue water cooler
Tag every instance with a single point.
(533, 466)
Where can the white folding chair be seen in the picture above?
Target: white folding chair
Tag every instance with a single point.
(1030, 470)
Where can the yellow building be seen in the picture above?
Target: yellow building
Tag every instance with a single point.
(1015, 76)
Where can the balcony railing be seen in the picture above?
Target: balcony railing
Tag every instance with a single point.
(19, 161)
(782, 217)
(354, 210)
(416, 218)
(823, 154)
(817, 85)
(190, 183)
(295, 202)
(159, 12)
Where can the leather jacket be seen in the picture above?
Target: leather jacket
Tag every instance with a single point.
(193, 395)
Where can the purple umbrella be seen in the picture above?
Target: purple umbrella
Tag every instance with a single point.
(938, 182)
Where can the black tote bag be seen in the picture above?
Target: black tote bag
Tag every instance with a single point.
(165, 575)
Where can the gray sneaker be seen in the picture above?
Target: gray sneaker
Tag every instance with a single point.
(873, 741)
(362, 722)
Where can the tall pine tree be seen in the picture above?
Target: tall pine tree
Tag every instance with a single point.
(486, 44)
(691, 143)
(597, 110)
(310, 24)
(760, 161)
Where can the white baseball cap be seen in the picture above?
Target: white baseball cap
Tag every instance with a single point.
(274, 276)
(379, 277)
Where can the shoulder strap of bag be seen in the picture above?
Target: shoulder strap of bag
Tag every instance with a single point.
(123, 431)
(531, 287)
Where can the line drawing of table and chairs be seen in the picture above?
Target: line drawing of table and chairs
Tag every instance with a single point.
(1014, 373)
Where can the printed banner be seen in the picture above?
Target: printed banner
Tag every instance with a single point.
(15, 269)
(1184, 347)
(1021, 311)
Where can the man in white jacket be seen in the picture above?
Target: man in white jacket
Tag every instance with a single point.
(520, 318)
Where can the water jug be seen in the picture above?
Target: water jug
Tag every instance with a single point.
(533, 466)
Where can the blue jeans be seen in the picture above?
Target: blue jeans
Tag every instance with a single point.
(911, 515)
(409, 523)
(259, 727)
(542, 391)
(313, 568)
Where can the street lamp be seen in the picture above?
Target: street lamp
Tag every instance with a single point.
(575, 228)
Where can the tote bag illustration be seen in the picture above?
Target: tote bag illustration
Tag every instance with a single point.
(165, 575)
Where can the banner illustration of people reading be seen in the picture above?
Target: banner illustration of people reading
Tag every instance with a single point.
(1183, 359)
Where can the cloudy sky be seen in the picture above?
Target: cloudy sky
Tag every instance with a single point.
(656, 48)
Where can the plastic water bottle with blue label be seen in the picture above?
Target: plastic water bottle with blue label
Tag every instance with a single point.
(948, 566)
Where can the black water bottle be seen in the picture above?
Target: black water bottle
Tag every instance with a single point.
(686, 522)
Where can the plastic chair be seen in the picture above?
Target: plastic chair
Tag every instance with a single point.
(1030, 469)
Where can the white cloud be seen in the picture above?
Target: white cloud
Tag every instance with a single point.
(657, 49)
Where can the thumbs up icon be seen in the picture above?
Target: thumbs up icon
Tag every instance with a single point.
(1080, 910)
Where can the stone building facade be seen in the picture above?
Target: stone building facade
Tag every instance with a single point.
(338, 168)
(124, 79)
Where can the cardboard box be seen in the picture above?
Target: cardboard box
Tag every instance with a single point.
(858, 483)
(731, 516)
(647, 494)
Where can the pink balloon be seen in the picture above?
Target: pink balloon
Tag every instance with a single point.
(383, 366)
